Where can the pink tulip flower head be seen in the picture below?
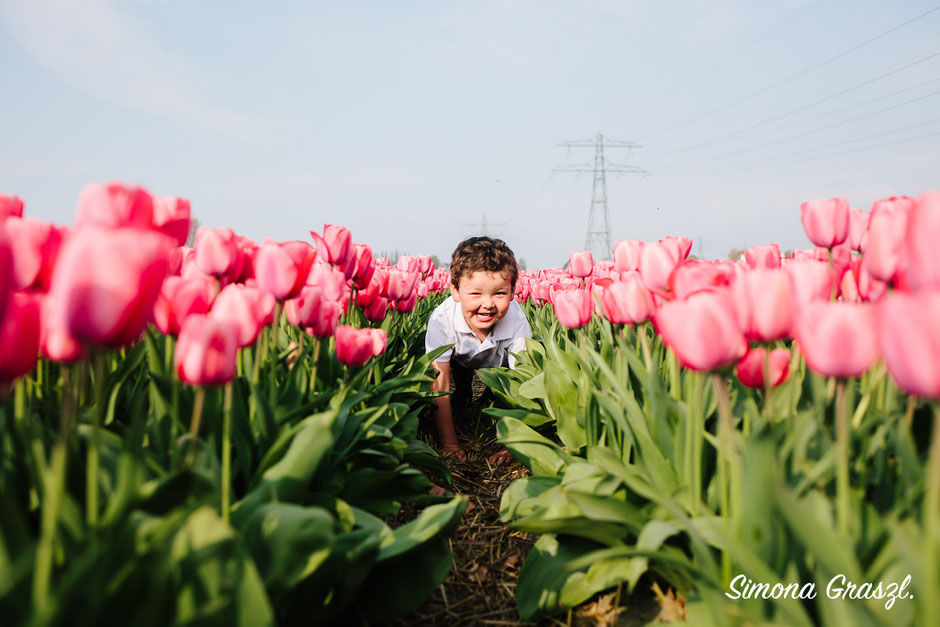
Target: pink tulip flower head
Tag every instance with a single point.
(216, 250)
(697, 275)
(325, 319)
(6, 271)
(10, 206)
(810, 279)
(763, 302)
(206, 351)
(334, 245)
(365, 267)
(766, 256)
(750, 369)
(909, 335)
(837, 339)
(171, 217)
(923, 233)
(354, 347)
(278, 271)
(682, 245)
(377, 309)
(581, 264)
(379, 341)
(702, 330)
(328, 279)
(858, 228)
(826, 222)
(573, 307)
(36, 247)
(114, 205)
(657, 261)
(19, 336)
(885, 251)
(408, 304)
(246, 307)
(628, 301)
(401, 284)
(180, 298)
(55, 341)
(627, 254)
(108, 281)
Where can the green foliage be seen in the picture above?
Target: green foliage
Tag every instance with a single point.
(271, 515)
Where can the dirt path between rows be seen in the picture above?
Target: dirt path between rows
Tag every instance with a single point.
(488, 554)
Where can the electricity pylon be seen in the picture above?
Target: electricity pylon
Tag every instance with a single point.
(598, 232)
(484, 225)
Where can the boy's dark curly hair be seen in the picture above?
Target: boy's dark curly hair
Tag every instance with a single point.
(483, 253)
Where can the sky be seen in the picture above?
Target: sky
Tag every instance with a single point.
(410, 122)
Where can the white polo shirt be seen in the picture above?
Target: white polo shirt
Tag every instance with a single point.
(448, 326)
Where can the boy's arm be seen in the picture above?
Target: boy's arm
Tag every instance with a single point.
(443, 418)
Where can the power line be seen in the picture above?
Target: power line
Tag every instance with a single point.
(794, 76)
(750, 165)
(804, 134)
(797, 110)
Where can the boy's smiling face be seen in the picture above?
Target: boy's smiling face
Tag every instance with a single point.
(484, 299)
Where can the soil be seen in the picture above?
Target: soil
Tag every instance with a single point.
(480, 590)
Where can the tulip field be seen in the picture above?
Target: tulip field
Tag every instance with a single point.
(230, 433)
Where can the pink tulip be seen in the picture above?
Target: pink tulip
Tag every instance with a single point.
(923, 235)
(365, 267)
(377, 309)
(810, 279)
(302, 311)
(206, 351)
(696, 275)
(114, 205)
(108, 281)
(401, 284)
(885, 255)
(682, 245)
(325, 319)
(750, 369)
(858, 228)
(826, 222)
(282, 268)
(216, 250)
(627, 254)
(581, 264)
(328, 279)
(354, 347)
(10, 206)
(180, 298)
(379, 341)
(763, 302)
(767, 256)
(657, 261)
(55, 341)
(365, 296)
(246, 307)
(35, 246)
(6, 271)
(627, 302)
(407, 304)
(572, 307)
(909, 336)
(837, 339)
(171, 217)
(702, 330)
(19, 336)
(334, 245)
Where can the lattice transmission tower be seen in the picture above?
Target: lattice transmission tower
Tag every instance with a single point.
(598, 231)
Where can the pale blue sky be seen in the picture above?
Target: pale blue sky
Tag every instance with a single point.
(407, 121)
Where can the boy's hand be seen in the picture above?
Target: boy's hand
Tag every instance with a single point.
(503, 456)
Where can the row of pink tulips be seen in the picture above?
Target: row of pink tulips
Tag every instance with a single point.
(124, 264)
(870, 290)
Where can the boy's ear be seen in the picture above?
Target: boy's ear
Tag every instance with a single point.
(454, 293)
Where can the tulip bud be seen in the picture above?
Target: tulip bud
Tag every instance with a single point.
(837, 339)
(657, 261)
(334, 245)
(354, 347)
(376, 310)
(114, 205)
(206, 351)
(627, 302)
(325, 319)
(216, 250)
(909, 336)
(763, 303)
(572, 307)
(171, 217)
(923, 233)
(19, 336)
(702, 330)
(245, 307)
(767, 256)
(35, 246)
(379, 341)
(10, 206)
(826, 222)
(581, 264)
(750, 369)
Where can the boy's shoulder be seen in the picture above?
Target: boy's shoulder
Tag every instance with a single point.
(443, 314)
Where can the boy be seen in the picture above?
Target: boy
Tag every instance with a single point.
(482, 321)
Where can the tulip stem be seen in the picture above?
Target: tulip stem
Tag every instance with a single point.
(226, 451)
(644, 344)
(929, 523)
(194, 425)
(843, 507)
(695, 426)
(312, 381)
(675, 380)
(272, 366)
(728, 466)
(909, 411)
(768, 394)
(54, 485)
(91, 477)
